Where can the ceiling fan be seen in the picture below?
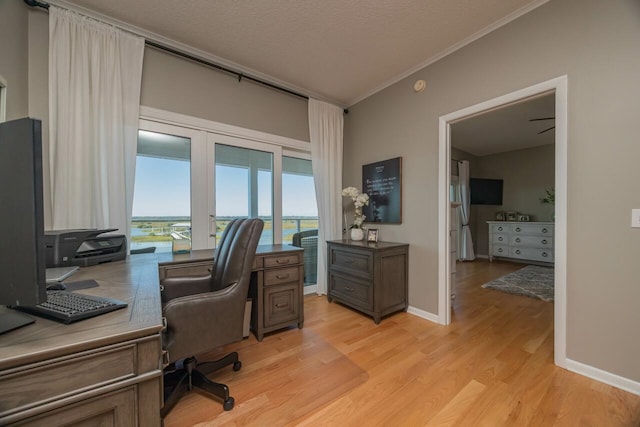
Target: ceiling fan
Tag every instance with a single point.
(544, 118)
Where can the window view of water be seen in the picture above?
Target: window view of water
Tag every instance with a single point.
(167, 234)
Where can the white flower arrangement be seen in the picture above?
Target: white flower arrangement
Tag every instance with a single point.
(359, 200)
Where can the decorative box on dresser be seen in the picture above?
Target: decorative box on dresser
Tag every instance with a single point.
(527, 241)
(369, 277)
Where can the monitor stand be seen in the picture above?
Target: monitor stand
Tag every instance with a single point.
(11, 320)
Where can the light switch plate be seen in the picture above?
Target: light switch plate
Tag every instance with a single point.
(635, 218)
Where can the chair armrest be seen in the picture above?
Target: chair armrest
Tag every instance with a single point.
(176, 287)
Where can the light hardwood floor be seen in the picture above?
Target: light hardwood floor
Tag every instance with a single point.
(492, 366)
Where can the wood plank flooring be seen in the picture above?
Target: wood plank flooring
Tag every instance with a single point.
(492, 366)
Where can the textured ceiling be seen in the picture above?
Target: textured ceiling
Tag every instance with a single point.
(506, 129)
(336, 50)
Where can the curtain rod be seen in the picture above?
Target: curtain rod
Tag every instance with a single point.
(238, 74)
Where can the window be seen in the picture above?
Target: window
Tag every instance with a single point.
(299, 209)
(161, 219)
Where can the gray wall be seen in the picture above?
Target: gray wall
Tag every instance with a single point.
(13, 57)
(526, 174)
(596, 44)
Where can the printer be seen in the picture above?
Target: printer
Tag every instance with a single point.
(84, 247)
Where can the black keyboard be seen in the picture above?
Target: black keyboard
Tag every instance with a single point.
(70, 307)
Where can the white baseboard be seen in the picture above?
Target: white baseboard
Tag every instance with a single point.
(604, 376)
(423, 314)
(312, 289)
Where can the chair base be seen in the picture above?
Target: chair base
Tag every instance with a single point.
(189, 374)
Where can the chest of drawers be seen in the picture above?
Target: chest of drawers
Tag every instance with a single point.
(368, 277)
(528, 241)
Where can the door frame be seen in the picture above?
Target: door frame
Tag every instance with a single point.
(559, 86)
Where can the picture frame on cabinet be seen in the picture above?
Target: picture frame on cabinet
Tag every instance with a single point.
(372, 235)
(500, 216)
(523, 218)
(512, 216)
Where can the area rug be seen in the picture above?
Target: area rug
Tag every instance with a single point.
(531, 281)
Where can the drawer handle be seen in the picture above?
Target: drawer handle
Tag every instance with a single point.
(500, 238)
(518, 251)
(544, 230)
(349, 289)
(282, 305)
(517, 240)
(544, 241)
(348, 261)
(544, 254)
(499, 228)
(499, 249)
(518, 229)
(282, 261)
(282, 276)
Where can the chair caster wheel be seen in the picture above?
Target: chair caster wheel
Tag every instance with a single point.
(228, 404)
(237, 365)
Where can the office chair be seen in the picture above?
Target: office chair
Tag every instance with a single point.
(309, 241)
(206, 312)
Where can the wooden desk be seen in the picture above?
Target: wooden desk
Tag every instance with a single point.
(276, 287)
(107, 370)
(100, 371)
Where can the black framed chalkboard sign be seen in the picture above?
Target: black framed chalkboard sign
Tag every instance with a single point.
(382, 181)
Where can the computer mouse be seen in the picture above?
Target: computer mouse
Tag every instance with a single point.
(56, 287)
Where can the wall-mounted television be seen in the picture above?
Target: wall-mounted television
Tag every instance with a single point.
(486, 191)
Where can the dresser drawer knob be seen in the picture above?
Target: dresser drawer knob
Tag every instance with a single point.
(282, 276)
(518, 229)
(544, 230)
(500, 239)
(518, 251)
(348, 289)
(544, 241)
(500, 228)
(544, 254)
(282, 305)
(499, 249)
(517, 240)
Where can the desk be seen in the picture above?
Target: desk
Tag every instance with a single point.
(100, 371)
(107, 370)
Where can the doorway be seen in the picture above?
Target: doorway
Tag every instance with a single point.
(559, 87)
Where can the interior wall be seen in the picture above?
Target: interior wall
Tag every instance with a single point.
(14, 60)
(527, 174)
(586, 40)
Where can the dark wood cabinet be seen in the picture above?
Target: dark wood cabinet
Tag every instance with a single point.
(368, 277)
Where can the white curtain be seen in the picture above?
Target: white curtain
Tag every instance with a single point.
(466, 246)
(95, 73)
(325, 131)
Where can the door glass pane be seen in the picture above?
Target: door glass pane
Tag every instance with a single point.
(300, 212)
(162, 194)
(244, 188)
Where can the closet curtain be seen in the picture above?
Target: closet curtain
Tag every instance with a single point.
(466, 246)
(325, 130)
(95, 73)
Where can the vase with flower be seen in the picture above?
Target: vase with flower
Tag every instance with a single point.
(550, 199)
(359, 200)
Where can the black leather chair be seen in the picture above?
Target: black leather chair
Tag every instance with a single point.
(207, 312)
(309, 241)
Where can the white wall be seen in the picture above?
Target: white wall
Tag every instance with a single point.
(596, 45)
(13, 56)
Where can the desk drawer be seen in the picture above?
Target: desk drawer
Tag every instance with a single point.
(281, 304)
(282, 260)
(41, 383)
(281, 275)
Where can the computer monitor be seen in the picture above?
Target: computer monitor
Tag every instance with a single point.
(22, 252)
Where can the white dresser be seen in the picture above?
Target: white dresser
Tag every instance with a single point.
(527, 241)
